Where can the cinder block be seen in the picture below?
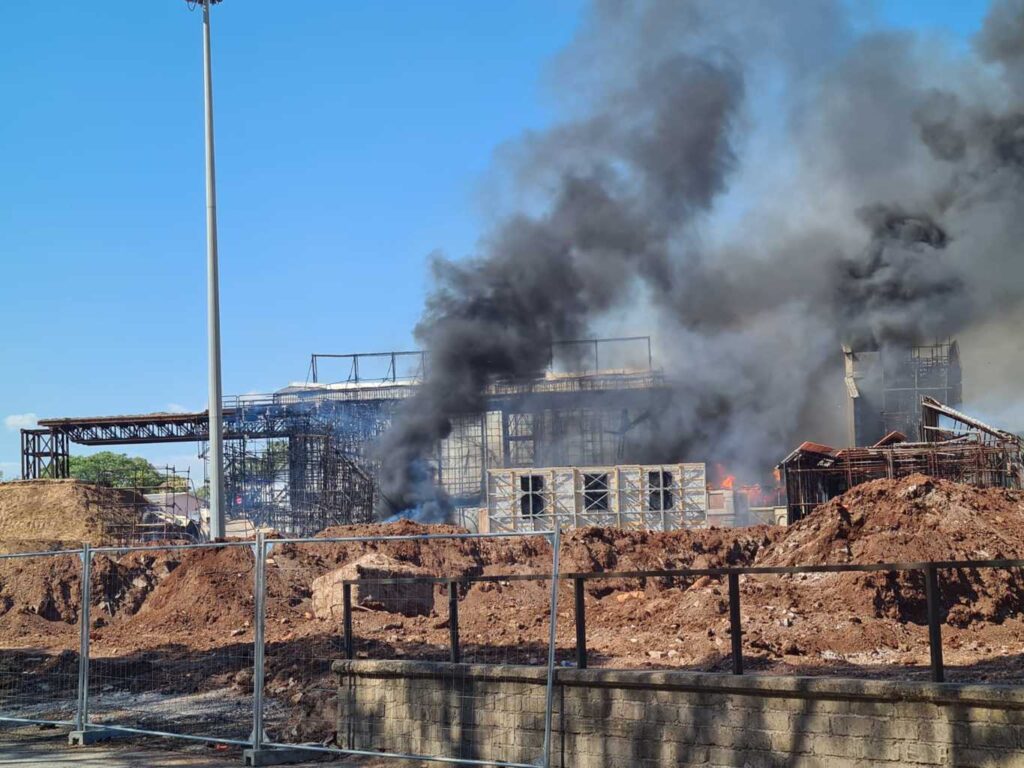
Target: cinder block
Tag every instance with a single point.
(851, 725)
(920, 753)
(727, 722)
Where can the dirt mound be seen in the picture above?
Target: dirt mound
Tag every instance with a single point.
(46, 587)
(205, 593)
(203, 599)
(914, 519)
(441, 557)
(587, 550)
(45, 513)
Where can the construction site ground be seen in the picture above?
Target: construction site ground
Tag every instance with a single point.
(31, 746)
(177, 626)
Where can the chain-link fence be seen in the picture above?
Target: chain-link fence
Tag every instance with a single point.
(441, 647)
(40, 613)
(170, 643)
(430, 611)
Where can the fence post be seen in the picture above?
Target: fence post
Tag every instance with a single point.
(259, 639)
(581, 624)
(549, 705)
(931, 577)
(346, 619)
(82, 716)
(735, 628)
(453, 621)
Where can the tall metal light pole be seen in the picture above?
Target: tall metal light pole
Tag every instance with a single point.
(213, 299)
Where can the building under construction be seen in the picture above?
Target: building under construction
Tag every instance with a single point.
(301, 459)
(887, 385)
(953, 446)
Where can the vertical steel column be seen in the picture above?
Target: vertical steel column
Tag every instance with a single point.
(931, 576)
(581, 624)
(213, 300)
(549, 707)
(453, 621)
(346, 619)
(82, 716)
(259, 638)
(735, 628)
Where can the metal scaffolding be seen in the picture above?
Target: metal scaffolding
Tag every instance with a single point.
(44, 453)
(957, 447)
(303, 458)
(886, 387)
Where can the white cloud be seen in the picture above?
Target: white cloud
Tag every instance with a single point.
(178, 408)
(17, 421)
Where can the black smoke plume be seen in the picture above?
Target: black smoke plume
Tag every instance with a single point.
(754, 183)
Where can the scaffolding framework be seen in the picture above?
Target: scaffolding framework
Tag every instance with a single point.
(957, 447)
(886, 387)
(661, 497)
(303, 458)
(44, 454)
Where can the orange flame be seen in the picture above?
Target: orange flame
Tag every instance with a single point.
(729, 482)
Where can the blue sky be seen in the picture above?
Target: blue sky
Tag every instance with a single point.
(352, 139)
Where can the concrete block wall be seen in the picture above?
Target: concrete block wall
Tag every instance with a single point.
(643, 719)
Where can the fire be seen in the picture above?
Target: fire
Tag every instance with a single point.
(764, 493)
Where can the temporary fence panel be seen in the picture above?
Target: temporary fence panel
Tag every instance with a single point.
(171, 641)
(411, 646)
(40, 612)
(420, 625)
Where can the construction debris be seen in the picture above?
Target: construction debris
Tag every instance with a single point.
(408, 598)
(953, 446)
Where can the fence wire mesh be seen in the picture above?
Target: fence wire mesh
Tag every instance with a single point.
(442, 614)
(40, 611)
(422, 645)
(171, 640)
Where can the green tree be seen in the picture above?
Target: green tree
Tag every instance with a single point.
(116, 470)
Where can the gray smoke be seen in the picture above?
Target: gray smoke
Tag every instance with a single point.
(755, 184)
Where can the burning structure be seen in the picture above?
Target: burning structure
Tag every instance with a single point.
(622, 211)
(307, 457)
(952, 445)
(886, 387)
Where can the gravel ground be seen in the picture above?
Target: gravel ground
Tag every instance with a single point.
(39, 748)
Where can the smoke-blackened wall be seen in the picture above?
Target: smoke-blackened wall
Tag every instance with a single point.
(753, 182)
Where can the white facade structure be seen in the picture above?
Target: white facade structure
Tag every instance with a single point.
(659, 497)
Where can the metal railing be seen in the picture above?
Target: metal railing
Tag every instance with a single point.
(577, 355)
(930, 570)
(235, 684)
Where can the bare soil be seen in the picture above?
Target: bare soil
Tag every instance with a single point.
(36, 515)
(182, 620)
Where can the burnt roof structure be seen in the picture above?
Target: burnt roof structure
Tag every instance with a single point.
(955, 447)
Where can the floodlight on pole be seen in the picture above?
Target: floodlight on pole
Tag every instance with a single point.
(215, 408)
